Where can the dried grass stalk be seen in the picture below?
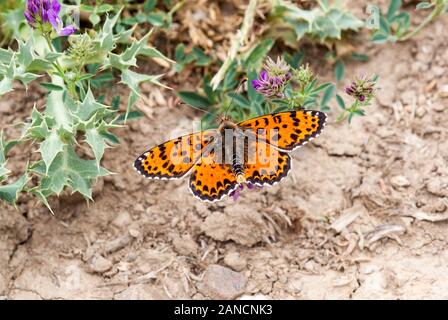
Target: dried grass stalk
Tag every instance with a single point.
(238, 41)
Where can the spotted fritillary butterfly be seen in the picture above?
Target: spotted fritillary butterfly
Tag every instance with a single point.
(254, 151)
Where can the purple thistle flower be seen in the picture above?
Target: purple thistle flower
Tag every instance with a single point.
(271, 86)
(361, 89)
(44, 15)
(272, 80)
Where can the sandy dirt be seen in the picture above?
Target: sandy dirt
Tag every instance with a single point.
(362, 215)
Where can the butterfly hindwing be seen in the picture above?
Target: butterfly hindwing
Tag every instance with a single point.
(266, 165)
(211, 181)
(174, 158)
(287, 130)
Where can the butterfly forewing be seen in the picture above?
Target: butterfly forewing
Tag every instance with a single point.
(287, 130)
(174, 158)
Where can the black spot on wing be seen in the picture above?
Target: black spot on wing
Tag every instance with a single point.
(282, 171)
(321, 120)
(202, 192)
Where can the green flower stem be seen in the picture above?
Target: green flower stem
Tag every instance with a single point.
(438, 9)
(70, 85)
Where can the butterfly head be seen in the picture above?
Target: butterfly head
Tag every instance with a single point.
(226, 123)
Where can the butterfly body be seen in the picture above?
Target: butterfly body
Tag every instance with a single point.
(220, 160)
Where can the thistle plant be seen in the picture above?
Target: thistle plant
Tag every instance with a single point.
(74, 117)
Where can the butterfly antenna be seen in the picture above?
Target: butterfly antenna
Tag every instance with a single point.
(233, 98)
(189, 105)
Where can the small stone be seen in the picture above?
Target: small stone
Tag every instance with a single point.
(310, 266)
(89, 253)
(408, 97)
(438, 71)
(122, 220)
(439, 206)
(399, 181)
(438, 107)
(438, 186)
(98, 264)
(235, 261)
(117, 244)
(407, 221)
(139, 208)
(420, 112)
(386, 98)
(444, 91)
(222, 283)
(135, 233)
(185, 245)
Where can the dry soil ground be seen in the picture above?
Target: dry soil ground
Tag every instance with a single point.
(363, 214)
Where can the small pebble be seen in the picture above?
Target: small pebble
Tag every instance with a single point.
(222, 283)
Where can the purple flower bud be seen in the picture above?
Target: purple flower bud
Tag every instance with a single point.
(29, 18)
(46, 4)
(39, 13)
(269, 85)
(361, 89)
(56, 6)
(32, 7)
(53, 18)
(67, 31)
(349, 90)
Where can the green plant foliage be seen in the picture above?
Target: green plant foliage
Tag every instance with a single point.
(3, 170)
(197, 57)
(10, 192)
(307, 92)
(395, 25)
(11, 20)
(73, 115)
(326, 22)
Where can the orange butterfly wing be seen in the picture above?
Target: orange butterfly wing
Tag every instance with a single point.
(211, 181)
(266, 164)
(174, 159)
(287, 130)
